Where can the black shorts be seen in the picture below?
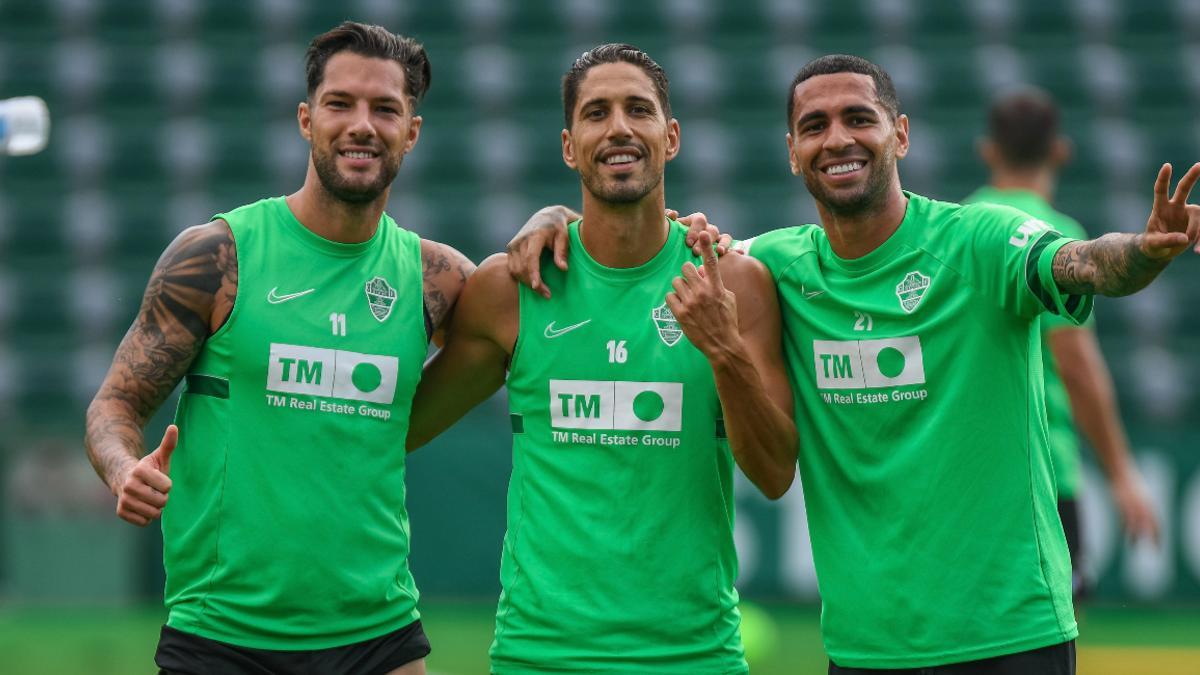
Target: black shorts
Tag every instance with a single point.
(1068, 513)
(182, 653)
(1053, 660)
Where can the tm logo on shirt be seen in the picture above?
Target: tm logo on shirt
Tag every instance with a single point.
(869, 364)
(331, 373)
(599, 406)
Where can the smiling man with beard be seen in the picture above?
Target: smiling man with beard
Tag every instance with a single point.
(298, 326)
(623, 387)
(911, 335)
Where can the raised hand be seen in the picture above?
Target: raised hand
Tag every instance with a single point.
(1173, 224)
(696, 223)
(142, 493)
(704, 308)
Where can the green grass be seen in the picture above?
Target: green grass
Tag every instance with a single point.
(121, 642)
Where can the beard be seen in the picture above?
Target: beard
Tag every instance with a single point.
(868, 198)
(620, 191)
(348, 189)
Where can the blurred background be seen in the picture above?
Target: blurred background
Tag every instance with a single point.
(167, 111)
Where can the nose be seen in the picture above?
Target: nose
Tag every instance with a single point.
(838, 137)
(618, 126)
(360, 126)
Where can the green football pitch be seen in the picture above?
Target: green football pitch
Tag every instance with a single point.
(780, 640)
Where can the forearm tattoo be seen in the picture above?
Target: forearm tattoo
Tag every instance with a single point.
(196, 275)
(1111, 265)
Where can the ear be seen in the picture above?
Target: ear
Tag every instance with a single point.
(795, 163)
(672, 138)
(1062, 151)
(414, 133)
(901, 136)
(304, 120)
(569, 150)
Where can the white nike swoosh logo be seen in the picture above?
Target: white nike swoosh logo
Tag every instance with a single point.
(552, 333)
(808, 293)
(274, 298)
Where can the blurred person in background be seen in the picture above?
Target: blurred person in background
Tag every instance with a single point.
(1025, 153)
(619, 555)
(299, 326)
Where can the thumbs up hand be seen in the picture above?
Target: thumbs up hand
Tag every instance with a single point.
(142, 494)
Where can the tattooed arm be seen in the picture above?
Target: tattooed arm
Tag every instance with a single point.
(190, 294)
(445, 272)
(1120, 264)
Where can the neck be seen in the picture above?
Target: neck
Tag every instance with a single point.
(623, 235)
(332, 218)
(855, 235)
(1039, 180)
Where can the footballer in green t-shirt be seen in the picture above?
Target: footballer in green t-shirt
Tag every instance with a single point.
(911, 332)
(1024, 153)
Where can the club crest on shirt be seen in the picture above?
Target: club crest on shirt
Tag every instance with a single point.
(381, 297)
(668, 328)
(911, 290)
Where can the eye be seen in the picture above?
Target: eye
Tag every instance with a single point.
(387, 109)
(594, 114)
(337, 104)
(812, 127)
(640, 109)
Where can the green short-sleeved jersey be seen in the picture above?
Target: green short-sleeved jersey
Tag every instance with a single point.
(619, 554)
(286, 528)
(917, 375)
(1064, 441)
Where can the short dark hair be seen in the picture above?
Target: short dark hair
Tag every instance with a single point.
(1024, 124)
(373, 42)
(613, 53)
(831, 64)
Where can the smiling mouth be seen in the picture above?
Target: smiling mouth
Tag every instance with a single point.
(358, 154)
(844, 168)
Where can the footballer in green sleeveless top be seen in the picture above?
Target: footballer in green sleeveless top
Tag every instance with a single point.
(298, 326)
(301, 393)
(623, 386)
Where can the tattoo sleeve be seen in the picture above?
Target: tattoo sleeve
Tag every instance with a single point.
(1110, 265)
(192, 285)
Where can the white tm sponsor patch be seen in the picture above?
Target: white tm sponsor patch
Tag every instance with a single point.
(628, 406)
(333, 373)
(868, 364)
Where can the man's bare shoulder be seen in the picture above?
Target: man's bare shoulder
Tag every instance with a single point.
(743, 272)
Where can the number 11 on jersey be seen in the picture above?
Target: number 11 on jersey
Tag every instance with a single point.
(339, 323)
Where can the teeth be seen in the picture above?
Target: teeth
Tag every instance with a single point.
(620, 159)
(358, 155)
(843, 168)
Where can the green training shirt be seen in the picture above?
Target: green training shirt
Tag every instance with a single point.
(917, 375)
(286, 526)
(619, 555)
(1064, 441)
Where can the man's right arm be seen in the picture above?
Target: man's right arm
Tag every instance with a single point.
(189, 295)
(471, 366)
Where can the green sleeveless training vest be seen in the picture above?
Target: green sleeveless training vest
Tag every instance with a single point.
(286, 526)
(619, 554)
